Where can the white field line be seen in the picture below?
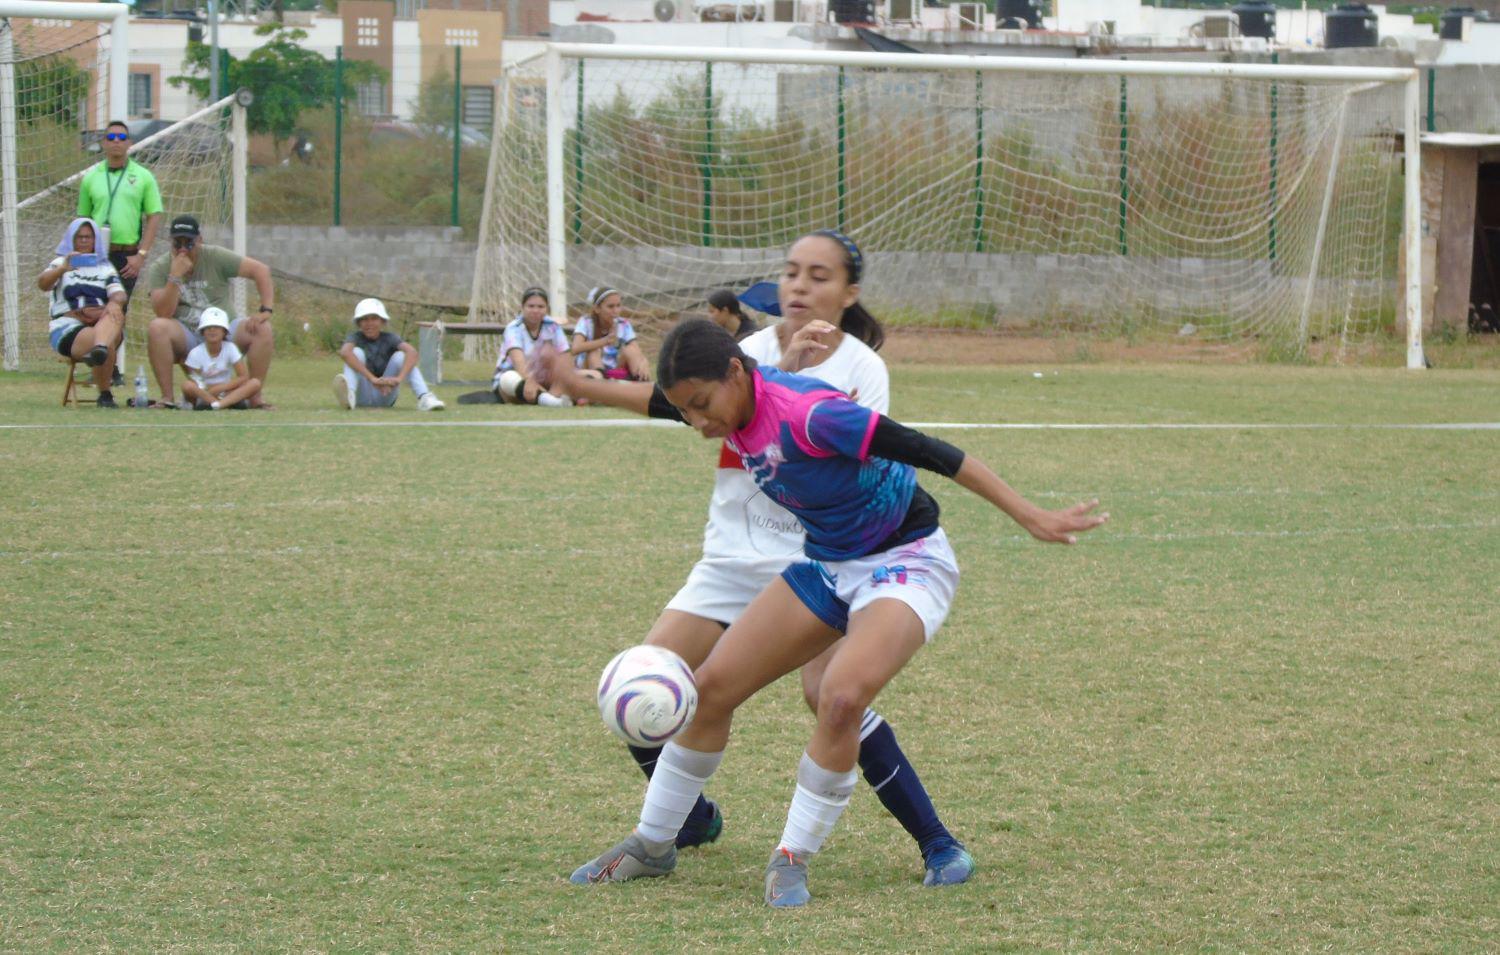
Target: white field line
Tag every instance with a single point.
(1103, 538)
(649, 423)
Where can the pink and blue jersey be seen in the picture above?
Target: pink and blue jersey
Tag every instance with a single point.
(808, 448)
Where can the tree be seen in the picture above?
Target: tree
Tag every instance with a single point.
(285, 78)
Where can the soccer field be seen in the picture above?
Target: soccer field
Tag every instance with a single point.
(323, 681)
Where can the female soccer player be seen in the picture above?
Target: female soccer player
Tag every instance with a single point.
(525, 345)
(605, 342)
(749, 538)
(879, 572)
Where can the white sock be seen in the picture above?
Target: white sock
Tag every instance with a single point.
(214, 405)
(675, 786)
(816, 806)
(548, 400)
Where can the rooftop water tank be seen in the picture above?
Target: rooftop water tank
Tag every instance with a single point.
(853, 11)
(1350, 25)
(1257, 18)
(1018, 14)
(1452, 21)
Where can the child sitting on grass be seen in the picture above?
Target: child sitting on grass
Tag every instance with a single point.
(216, 368)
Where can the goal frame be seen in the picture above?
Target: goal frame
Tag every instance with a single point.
(1409, 78)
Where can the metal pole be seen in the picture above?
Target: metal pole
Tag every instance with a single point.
(579, 135)
(338, 133)
(1431, 100)
(557, 262)
(708, 153)
(458, 101)
(1124, 169)
(842, 171)
(1275, 160)
(213, 51)
(1413, 225)
(978, 161)
(9, 227)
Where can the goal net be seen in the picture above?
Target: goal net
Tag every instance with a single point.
(56, 96)
(1236, 207)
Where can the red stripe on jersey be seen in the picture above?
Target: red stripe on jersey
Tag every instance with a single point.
(729, 459)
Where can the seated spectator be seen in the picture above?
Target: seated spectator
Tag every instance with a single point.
(605, 342)
(194, 277)
(218, 377)
(724, 309)
(87, 309)
(529, 342)
(377, 362)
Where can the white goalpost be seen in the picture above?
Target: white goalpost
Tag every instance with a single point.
(1249, 206)
(63, 76)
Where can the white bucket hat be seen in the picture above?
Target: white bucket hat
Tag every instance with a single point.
(213, 317)
(370, 306)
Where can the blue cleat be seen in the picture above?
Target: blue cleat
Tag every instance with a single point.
(700, 833)
(630, 859)
(948, 864)
(786, 880)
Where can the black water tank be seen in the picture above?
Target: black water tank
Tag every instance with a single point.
(853, 11)
(1257, 18)
(1028, 12)
(1349, 25)
(1452, 21)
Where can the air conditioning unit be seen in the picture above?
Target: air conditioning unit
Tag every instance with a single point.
(1219, 27)
(970, 15)
(903, 11)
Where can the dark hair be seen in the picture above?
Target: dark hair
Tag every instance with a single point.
(723, 298)
(117, 122)
(534, 290)
(697, 348)
(856, 320)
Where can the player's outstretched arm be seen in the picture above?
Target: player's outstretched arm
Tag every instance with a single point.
(632, 396)
(900, 443)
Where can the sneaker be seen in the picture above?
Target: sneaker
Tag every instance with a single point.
(105, 400)
(696, 833)
(341, 395)
(428, 402)
(115, 378)
(948, 864)
(97, 356)
(548, 400)
(628, 860)
(786, 880)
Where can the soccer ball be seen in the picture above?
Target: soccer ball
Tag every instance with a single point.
(647, 695)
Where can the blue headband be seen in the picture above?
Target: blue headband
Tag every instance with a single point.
(858, 260)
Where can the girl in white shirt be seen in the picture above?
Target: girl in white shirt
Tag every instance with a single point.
(219, 378)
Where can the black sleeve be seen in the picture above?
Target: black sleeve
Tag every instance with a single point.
(660, 407)
(897, 442)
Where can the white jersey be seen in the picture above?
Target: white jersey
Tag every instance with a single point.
(744, 524)
(209, 370)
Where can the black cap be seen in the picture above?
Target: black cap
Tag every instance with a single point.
(185, 226)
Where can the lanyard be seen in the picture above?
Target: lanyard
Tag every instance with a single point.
(115, 188)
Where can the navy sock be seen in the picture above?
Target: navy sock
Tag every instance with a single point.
(645, 758)
(899, 789)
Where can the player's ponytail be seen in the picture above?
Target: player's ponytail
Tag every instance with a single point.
(856, 320)
(697, 348)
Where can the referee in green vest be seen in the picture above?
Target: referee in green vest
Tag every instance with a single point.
(121, 194)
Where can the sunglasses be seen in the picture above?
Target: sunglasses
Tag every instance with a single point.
(117, 137)
(183, 242)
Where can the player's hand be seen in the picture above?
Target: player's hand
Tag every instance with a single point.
(806, 344)
(70, 263)
(132, 266)
(182, 263)
(1063, 527)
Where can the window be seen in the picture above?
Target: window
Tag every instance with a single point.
(369, 98)
(139, 97)
(479, 106)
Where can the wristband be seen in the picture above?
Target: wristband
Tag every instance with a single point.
(268, 310)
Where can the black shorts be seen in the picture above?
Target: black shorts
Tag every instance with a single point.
(117, 259)
(65, 343)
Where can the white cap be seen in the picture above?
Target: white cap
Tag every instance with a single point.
(213, 318)
(370, 306)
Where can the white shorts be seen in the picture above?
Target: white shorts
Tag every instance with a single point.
(922, 574)
(720, 588)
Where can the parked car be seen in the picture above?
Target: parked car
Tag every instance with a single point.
(194, 143)
(396, 129)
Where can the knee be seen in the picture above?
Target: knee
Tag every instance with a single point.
(253, 383)
(811, 684)
(714, 701)
(159, 328)
(841, 708)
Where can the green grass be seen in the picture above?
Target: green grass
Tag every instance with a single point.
(267, 686)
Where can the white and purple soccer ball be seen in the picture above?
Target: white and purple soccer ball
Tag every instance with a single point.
(647, 695)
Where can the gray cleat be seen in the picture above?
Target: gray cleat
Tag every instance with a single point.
(786, 880)
(628, 860)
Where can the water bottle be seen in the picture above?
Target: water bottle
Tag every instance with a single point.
(141, 400)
